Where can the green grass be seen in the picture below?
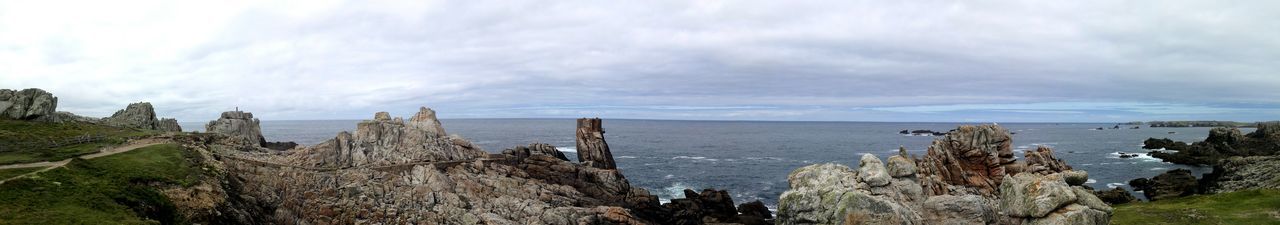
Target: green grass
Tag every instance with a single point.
(15, 133)
(7, 173)
(116, 189)
(1241, 207)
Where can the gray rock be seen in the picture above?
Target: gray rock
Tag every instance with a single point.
(139, 115)
(1086, 198)
(168, 125)
(958, 210)
(592, 149)
(900, 166)
(872, 171)
(239, 125)
(1031, 195)
(1075, 177)
(1071, 215)
(28, 104)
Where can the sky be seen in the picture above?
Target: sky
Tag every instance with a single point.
(937, 61)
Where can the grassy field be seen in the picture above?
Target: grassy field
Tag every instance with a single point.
(7, 173)
(116, 189)
(15, 133)
(1242, 207)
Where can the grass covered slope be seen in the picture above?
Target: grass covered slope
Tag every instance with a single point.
(7, 173)
(1242, 207)
(117, 189)
(17, 136)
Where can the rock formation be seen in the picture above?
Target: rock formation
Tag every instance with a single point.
(1172, 184)
(1242, 173)
(1115, 196)
(28, 104)
(393, 171)
(387, 141)
(592, 149)
(968, 176)
(141, 115)
(239, 125)
(1220, 144)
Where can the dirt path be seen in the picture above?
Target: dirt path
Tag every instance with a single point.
(106, 152)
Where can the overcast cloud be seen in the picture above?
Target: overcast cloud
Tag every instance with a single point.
(1004, 61)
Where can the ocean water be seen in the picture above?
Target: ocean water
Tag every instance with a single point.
(752, 159)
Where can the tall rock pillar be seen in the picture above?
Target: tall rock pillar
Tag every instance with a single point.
(592, 149)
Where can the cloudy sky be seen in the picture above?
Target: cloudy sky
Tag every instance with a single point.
(964, 61)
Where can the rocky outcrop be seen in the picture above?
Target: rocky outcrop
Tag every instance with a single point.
(1222, 143)
(592, 149)
(239, 125)
(387, 141)
(1172, 184)
(1243, 173)
(968, 176)
(168, 125)
(1115, 196)
(28, 104)
(1163, 143)
(969, 160)
(393, 171)
(139, 115)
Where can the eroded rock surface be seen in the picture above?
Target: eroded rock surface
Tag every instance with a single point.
(139, 115)
(968, 176)
(389, 141)
(1172, 184)
(1243, 173)
(239, 125)
(27, 104)
(592, 149)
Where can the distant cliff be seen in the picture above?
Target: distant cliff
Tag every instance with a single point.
(1203, 123)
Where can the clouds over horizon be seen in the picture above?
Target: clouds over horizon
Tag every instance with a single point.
(766, 60)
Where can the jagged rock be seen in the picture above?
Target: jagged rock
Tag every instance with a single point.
(168, 125)
(522, 152)
(395, 172)
(28, 104)
(1172, 184)
(1243, 173)
(386, 141)
(755, 209)
(1115, 196)
(592, 149)
(969, 160)
(137, 115)
(955, 176)
(1226, 142)
(714, 206)
(63, 117)
(1041, 161)
(1224, 135)
(239, 125)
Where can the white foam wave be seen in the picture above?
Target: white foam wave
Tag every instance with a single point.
(626, 157)
(1091, 181)
(676, 190)
(1114, 185)
(567, 149)
(1141, 156)
(1158, 168)
(669, 176)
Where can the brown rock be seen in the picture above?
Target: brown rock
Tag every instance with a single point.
(592, 149)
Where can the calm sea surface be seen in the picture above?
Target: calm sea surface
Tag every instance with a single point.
(752, 159)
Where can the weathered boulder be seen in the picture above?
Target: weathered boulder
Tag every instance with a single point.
(522, 152)
(239, 125)
(28, 104)
(1031, 195)
(959, 210)
(969, 160)
(592, 149)
(872, 171)
(1041, 161)
(1229, 136)
(755, 209)
(1075, 177)
(1172, 184)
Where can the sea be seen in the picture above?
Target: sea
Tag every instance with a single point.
(751, 159)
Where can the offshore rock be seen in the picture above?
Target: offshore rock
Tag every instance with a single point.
(387, 141)
(1163, 143)
(28, 104)
(969, 160)
(1223, 143)
(1172, 184)
(592, 149)
(239, 125)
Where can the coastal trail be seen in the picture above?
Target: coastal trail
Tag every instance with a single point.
(136, 144)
